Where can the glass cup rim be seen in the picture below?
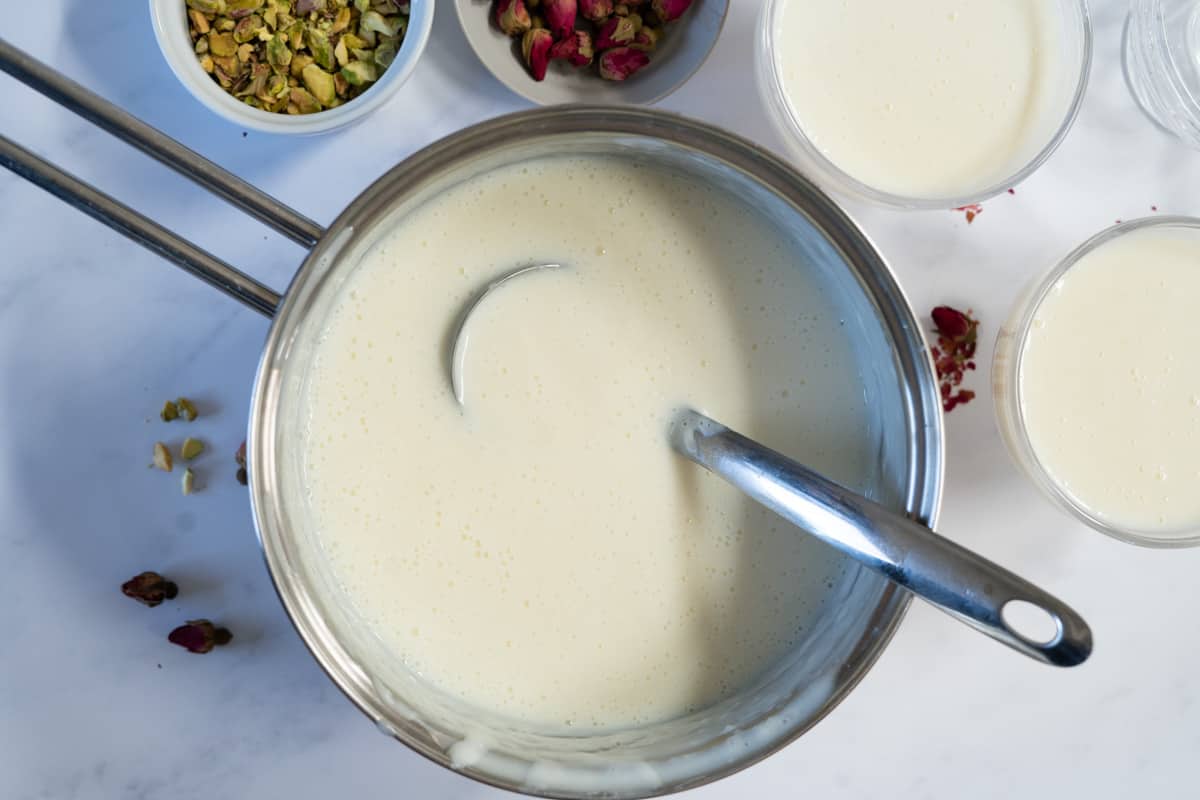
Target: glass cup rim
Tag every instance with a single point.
(843, 181)
(1035, 467)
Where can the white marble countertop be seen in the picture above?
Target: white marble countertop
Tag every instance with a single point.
(95, 333)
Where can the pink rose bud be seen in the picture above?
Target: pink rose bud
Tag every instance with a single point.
(646, 39)
(512, 17)
(576, 49)
(621, 62)
(535, 49)
(616, 32)
(560, 16)
(596, 10)
(668, 10)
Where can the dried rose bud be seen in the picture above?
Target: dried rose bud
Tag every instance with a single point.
(240, 455)
(667, 10)
(199, 636)
(242, 477)
(535, 49)
(621, 62)
(149, 588)
(951, 322)
(512, 17)
(596, 10)
(646, 39)
(618, 31)
(576, 49)
(560, 17)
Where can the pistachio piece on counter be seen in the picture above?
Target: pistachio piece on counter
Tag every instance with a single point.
(191, 448)
(187, 409)
(162, 457)
(188, 483)
(169, 411)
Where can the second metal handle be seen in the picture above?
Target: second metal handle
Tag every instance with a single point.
(951, 577)
(122, 218)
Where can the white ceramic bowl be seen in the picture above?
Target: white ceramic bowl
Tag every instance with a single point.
(170, 28)
(683, 49)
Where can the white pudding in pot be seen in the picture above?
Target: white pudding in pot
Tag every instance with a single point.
(542, 552)
(924, 99)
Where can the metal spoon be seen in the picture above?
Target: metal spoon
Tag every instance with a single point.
(458, 355)
(956, 580)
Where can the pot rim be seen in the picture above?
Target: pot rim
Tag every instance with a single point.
(923, 415)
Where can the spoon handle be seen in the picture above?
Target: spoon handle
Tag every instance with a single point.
(956, 580)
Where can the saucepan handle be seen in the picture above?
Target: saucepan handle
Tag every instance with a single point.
(158, 145)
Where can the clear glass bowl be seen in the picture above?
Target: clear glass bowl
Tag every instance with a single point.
(1075, 46)
(1006, 388)
(1161, 58)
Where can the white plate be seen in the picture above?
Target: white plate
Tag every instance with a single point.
(685, 45)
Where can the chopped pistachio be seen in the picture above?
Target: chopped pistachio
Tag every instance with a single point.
(198, 20)
(162, 457)
(206, 63)
(295, 36)
(187, 409)
(191, 448)
(320, 84)
(240, 8)
(357, 73)
(342, 21)
(340, 85)
(248, 29)
(319, 46)
(244, 52)
(278, 53)
(201, 46)
(189, 481)
(304, 102)
(169, 411)
(363, 6)
(207, 6)
(374, 21)
(221, 44)
(384, 55)
(341, 53)
(299, 62)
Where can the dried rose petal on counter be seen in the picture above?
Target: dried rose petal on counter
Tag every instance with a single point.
(954, 353)
(199, 636)
(149, 588)
(240, 458)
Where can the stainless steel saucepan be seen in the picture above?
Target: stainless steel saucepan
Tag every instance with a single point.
(862, 610)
